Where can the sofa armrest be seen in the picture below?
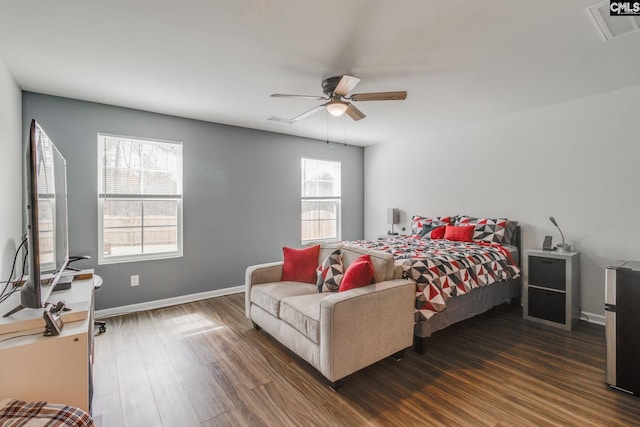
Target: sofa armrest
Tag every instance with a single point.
(256, 274)
(364, 325)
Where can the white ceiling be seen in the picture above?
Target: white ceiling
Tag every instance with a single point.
(219, 60)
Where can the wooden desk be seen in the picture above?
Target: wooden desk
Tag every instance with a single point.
(54, 369)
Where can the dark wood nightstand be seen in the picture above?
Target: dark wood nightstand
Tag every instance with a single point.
(552, 287)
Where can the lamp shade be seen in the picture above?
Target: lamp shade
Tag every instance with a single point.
(393, 216)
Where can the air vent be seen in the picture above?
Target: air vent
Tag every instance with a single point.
(612, 27)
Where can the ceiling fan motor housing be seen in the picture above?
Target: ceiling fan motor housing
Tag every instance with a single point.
(329, 85)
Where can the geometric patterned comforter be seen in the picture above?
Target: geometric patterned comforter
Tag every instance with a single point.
(444, 269)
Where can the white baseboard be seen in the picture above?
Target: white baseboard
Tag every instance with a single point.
(150, 305)
(598, 319)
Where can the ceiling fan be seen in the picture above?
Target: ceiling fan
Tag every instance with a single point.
(336, 89)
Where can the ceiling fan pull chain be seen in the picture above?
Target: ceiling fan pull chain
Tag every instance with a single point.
(327, 117)
(345, 132)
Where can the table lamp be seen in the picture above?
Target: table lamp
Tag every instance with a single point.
(393, 217)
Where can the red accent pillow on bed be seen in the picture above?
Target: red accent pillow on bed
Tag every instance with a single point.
(438, 233)
(459, 233)
(300, 264)
(358, 274)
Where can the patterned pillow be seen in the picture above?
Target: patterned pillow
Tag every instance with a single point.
(490, 230)
(433, 231)
(418, 222)
(330, 273)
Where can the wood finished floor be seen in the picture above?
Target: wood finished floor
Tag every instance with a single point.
(201, 364)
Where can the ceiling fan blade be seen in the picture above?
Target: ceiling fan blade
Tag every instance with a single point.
(314, 97)
(354, 113)
(308, 113)
(346, 84)
(280, 121)
(379, 96)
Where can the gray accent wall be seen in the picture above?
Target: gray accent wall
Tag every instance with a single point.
(10, 171)
(241, 195)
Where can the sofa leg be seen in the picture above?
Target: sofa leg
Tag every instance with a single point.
(335, 385)
(398, 356)
(420, 344)
(256, 326)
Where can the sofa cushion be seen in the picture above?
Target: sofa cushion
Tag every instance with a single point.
(268, 296)
(303, 314)
(383, 262)
(300, 264)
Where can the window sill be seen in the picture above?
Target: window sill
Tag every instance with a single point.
(136, 258)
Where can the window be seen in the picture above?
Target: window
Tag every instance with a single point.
(139, 199)
(321, 191)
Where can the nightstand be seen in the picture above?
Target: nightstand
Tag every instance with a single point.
(552, 287)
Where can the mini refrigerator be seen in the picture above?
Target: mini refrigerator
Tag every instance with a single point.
(622, 325)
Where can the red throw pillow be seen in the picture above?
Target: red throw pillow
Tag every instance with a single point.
(300, 264)
(358, 274)
(438, 233)
(460, 233)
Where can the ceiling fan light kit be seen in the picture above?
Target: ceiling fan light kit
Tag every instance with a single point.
(336, 89)
(336, 108)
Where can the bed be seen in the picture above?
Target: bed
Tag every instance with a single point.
(455, 279)
(41, 414)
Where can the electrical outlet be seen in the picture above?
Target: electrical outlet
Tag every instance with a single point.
(135, 280)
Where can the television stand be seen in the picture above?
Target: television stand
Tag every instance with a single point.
(56, 368)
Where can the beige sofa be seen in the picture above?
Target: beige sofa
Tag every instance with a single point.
(338, 333)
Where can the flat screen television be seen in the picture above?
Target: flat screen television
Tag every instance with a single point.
(46, 218)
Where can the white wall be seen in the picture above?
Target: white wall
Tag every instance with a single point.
(10, 170)
(578, 161)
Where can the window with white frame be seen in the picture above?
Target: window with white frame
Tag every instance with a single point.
(139, 199)
(321, 195)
